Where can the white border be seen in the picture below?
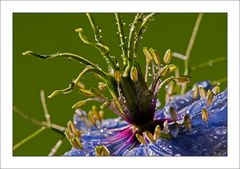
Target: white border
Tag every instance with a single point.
(231, 7)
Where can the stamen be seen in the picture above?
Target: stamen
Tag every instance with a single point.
(105, 104)
(76, 143)
(204, 115)
(182, 79)
(167, 57)
(195, 92)
(209, 98)
(102, 151)
(78, 104)
(155, 56)
(216, 90)
(149, 136)
(101, 85)
(71, 127)
(140, 138)
(202, 92)
(157, 132)
(173, 114)
(187, 121)
(165, 127)
(134, 74)
(117, 75)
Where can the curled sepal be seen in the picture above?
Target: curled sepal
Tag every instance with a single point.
(182, 79)
(134, 74)
(167, 57)
(204, 115)
(100, 46)
(62, 91)
(102, 150)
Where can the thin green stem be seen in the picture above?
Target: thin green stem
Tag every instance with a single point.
(31, 136)
(94, 28)
(132, 38)
(121, 35)
(53, 126)
(142, 30)
(56, 147)
(191, 43)
(208, 63)
(70, 56)
(45, 110)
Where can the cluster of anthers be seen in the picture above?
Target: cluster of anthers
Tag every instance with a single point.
(133, 94)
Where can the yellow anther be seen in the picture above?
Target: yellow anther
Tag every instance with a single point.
(157, 132)
(78, 104)
(147, 54)
(91, 118)
(155, 56)
(195, 92)
(105, 104)
(216, 90)
(86, 92)
(71, 127)
(95, 113)
(173, 114)
(165, 127)
(101, 85)
(117, 75)
(149, 136)
(140, 138)
(101, 113)
(80, 85)
(76, 143)
(210, 98)
(134, 74)
(68, 135)
(187, 121)
(167, 57)
(172, 67)
(202, 92)
(204, 115)
(182, 79)
(102, 151)
(165, 70)
(77, 133)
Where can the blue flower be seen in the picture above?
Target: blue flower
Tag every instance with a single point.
(204, 138)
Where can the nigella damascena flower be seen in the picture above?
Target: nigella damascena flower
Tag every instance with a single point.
(191, 123)
(202, 138)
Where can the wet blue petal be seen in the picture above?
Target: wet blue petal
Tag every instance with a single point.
(203, 139)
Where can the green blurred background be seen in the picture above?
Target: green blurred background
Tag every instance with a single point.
(53, 32)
